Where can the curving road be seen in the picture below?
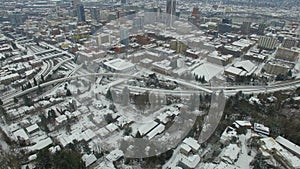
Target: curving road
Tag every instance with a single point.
(227, 90)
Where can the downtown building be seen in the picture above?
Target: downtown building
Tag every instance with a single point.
(266, 42)
(171, 12)
(80, 13)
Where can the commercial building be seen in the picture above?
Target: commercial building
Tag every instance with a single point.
(178, 46)
(269, 147)
(286, 54)
(95, 13)
(171, 11)
(289, 43)
(80, 13)
(260, 128)
(162, 67)
(219, 59)
(224, 28)
(102, 39)
(240, 69)
(266, 42)
(261, 29)
(171, 7)
(119, 65)
(276, 68)
(124, 36)
(245, 28)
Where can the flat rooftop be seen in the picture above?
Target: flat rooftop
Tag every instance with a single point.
(119, 64)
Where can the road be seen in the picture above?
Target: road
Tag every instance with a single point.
(227, 90)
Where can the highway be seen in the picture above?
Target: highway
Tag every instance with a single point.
(227, 90)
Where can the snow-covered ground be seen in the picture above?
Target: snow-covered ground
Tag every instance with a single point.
(245, 159)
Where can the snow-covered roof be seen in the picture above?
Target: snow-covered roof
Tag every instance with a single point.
(32, 128)
(88, 134)
(192, 143)
(163, 118)
(88, 159)
(21, 133)
(102, 132)
(185, 147)
(61, 118)
(208, 70)
(111, 127)
(191, 161)
(234, 70)
(243, 123)
(231, 153)
(41, 144)
(115, 155)
(247, 65)
(289, 145)
(269, 144)
(145, 128)
(260, 128)
(118, 64)
(157, 130)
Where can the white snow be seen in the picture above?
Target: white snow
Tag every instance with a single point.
(208, 70)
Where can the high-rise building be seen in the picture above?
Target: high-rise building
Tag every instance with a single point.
(80, 13)
(224, 28)
(261, 29)
(195, 18)
(289, 43)
(245, 28)
(267, 42)
(17, 18)
(171, 7)
(95, 13)
(103, 38)
(124, 36)
(171, 11)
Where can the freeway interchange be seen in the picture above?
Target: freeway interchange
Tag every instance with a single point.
(228, 90)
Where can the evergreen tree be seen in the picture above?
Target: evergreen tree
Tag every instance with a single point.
(40, 89)
(29, 85)
(108, 94)
(16, 100)
(27, 101)
(68, 93)
(42, 78)
(35, 82)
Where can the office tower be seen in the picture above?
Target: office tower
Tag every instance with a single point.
(124, 36)
(171, 11)
(95, 13)
(266, 42)
(195, 17)
(17, 18)
(80, 13)
(289, 43)
(224, 28)
(261, 29)
(245, 28)
(171, 7)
